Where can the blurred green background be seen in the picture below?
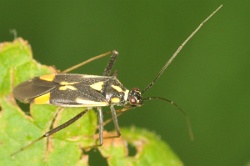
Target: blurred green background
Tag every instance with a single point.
(210, 78)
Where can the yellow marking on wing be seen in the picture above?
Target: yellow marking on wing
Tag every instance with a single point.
(90, 103)
(115, 100)
(48, 77)
(67, 83)
(97, 86)
(117, 88)
(66, 87)
(44, 99)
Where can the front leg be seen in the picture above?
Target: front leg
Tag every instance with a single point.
(111, 63)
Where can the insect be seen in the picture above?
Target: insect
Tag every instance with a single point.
(81, 90)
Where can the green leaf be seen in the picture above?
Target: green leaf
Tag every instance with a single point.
(18, 129)
(149, 149)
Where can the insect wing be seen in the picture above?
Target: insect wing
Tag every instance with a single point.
(77, 95)
(79, 90)
(68, 90)
(27, 91)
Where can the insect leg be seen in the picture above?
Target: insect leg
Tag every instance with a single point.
(85, 62)
(115, 120)
(53, 131)
(110, 64)
(100, 121)
(119, 113)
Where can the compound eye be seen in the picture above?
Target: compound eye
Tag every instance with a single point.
(133, 100)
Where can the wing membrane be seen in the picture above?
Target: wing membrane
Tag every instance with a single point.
(28, 90)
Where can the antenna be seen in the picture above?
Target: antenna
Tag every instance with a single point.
(178, 50)
(189, 128)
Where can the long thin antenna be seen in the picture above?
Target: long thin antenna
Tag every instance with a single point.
(179, 49)
(189, 127)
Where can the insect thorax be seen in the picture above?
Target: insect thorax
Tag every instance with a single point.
(117, 94)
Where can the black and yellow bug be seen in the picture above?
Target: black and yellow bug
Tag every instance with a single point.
(80, 90)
